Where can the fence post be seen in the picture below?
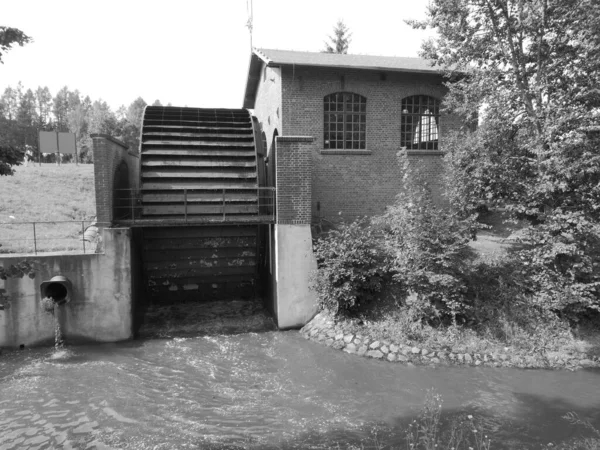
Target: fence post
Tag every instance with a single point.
(83, 235)
(223, 205)
(34, 239)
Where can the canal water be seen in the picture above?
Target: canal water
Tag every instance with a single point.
(266, 390)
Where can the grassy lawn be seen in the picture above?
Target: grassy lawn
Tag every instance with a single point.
(43, 194)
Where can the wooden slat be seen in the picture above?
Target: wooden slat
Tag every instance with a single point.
(196, 174)
(199, 152)
(168, 134)
(200, 127)
(188, 254)
(201, 263)
(174, 244)
(199, 143)
(201, 271)
(198, 184)
(169, 162)
(201, 197)
(206, 232)
(220, 278)
(165, 210)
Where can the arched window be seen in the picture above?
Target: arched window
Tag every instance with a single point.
(420, 122)
(345, 121)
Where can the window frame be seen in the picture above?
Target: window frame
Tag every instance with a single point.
(347, 126)
(415, 117)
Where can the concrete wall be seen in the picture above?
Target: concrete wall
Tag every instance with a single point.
(297, 304)
(292, 302)
(100, 309)
(358, 182)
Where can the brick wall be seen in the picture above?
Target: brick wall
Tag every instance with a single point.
(356, 183)
(294, 186)
(112, 157)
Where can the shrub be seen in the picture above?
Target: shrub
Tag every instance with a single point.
(351, 266)
(561, 263)
(429, 245)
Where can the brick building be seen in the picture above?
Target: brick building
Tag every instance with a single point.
(360, 111)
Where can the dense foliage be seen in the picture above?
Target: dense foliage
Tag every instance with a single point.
(419, 244)
(428, 244)
(352, 266)
(531, 70)
(10, 36)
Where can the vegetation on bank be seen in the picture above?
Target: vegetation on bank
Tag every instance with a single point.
(432, 430)
(410, 276)
(42, 194)
(535, 155)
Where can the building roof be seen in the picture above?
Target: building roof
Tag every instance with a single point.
(273, 57)
(369, 62)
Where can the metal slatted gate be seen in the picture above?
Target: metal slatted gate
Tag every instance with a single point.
(198, 263)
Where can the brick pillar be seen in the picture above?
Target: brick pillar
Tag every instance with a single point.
(108, 153)
(294, 303)
(294, 179)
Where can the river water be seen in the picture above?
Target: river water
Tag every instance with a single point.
(265, 390)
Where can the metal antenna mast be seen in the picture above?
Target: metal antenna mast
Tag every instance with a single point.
(249, 23)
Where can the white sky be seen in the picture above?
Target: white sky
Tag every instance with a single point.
(187, 52)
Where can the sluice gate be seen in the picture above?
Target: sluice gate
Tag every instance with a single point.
(201, 206)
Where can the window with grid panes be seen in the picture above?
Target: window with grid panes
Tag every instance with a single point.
(419, 127)
(345, 120)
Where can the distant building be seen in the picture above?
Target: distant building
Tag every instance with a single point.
(360, 110)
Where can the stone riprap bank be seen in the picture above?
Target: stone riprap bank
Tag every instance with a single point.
(348, 337)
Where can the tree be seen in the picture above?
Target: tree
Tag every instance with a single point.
(340, 40)
(10, 36)
(534, 67)
(9, 104)
(43, 100)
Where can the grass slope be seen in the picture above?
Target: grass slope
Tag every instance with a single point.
(42, 194)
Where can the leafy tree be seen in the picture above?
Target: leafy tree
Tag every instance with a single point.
(27, 114)
(340, 40)
(9, 156)
(9, 103)
(61, 109)
(10, 36)
(532, 68)
(43, 100)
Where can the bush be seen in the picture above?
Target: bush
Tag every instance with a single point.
(351, 266)
(561, 263)
(428, 243)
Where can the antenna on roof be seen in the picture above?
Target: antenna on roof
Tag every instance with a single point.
(250, 11)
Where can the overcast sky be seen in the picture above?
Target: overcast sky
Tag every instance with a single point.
(187, 52)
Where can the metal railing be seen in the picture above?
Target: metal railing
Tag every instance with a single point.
(49, 236)
(182, 206)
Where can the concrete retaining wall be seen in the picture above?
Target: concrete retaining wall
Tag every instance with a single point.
(100, 309)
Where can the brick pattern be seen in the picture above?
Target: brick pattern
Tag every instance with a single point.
(361, 182)
(294, 180)
(109, 154)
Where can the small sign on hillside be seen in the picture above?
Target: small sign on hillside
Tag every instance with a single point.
(58, 142)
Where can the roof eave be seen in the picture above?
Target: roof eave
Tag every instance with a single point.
(432, 71)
